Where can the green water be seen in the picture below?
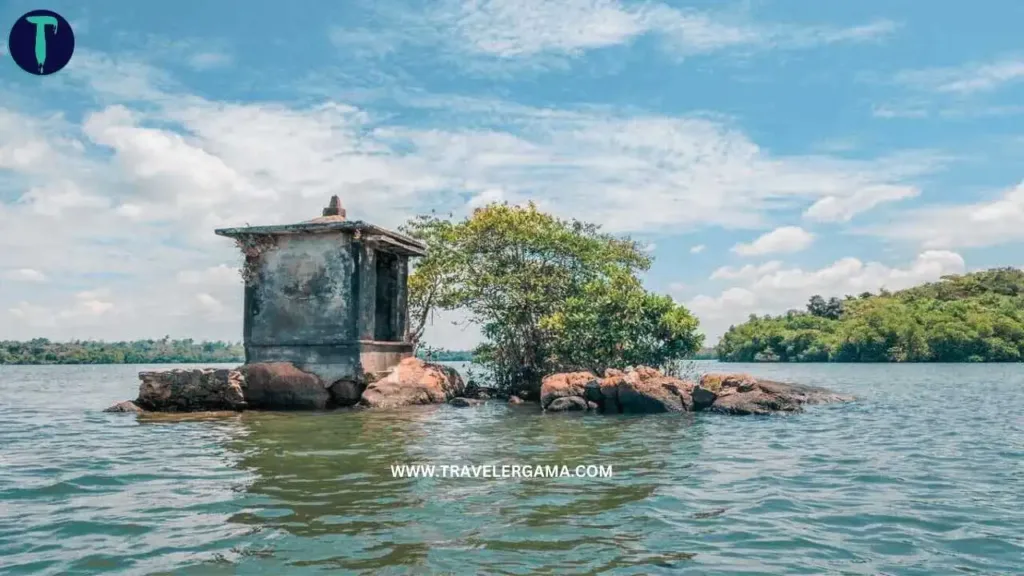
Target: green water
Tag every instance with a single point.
(924, 475)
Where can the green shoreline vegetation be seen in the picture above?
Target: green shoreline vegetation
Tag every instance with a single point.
(163, 351)
(976, 317)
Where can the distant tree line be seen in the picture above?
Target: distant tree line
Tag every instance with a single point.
(163, 351)
(442, 355)
(704, 354)
(977, 317)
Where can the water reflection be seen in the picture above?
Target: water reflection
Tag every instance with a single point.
(323, 483)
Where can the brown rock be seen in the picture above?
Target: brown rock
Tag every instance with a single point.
(346, 392)
(567, 404)
(646, 390)
(461, 402)
(126, 406)
(744, 394)
(753, 402)
(654, 395)
(413, 381)
(282, 386)
(635, 390)
(564, 384)
(194, 390)
(718, 383)
(608, 391)
(702, 398)
(515, 400)
(475, 390)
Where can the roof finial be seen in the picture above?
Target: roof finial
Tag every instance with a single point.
(334, 208)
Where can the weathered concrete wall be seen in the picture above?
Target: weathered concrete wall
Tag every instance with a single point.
(303, 292)
(380, 356)
(300, 309)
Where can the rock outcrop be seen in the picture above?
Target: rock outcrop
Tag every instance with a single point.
(282, 386)
(640, 391)
(743, 394)
(567, 404)
(126, 406)
(191, 390)
(346, 392)
(645, 390)
(411, 382)
(565, 385)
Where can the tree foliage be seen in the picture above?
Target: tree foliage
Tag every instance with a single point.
(548, 294)
(165, 350)
(977, 317)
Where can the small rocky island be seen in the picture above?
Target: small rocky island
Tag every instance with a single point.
(325, 324)
(645, 390)
(641, 390)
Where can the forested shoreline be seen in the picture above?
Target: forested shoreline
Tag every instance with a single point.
(164, 351)
(976, 317)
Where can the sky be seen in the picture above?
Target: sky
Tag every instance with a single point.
(762, 151)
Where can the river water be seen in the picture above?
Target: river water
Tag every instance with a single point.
(923, 475)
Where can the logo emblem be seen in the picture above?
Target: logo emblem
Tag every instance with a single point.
(41, 42)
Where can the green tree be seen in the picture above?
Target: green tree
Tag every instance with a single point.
(977, 317)
(541, 289)
(615, 322)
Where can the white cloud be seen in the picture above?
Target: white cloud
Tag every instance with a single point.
(134, 192)
(526, 28)
(967, 79)
(85, 307)
(35, 316)
(209, 302)
(844, 208)
(697, 249)
(509, 28)
(220, 275)
(987, 223)
(25, 275)
(489, 196)
(747, 272)
(775, 290)
(786, 239)
(899, 111)
(54, 198)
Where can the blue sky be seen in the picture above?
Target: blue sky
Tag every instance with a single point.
(765, 151)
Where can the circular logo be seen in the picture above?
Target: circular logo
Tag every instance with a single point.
(41, 42)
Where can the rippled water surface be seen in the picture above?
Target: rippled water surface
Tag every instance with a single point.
(924, 475)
